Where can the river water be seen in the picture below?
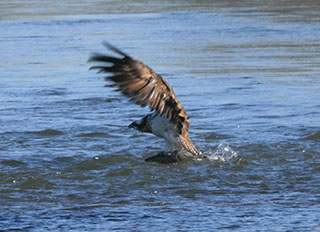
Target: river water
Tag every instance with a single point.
(248, 74)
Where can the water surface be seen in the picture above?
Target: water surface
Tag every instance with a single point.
(247, 73)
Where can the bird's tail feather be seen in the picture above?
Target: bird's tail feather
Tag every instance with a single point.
(188, 145)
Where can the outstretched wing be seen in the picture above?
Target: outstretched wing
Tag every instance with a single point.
(145, 87)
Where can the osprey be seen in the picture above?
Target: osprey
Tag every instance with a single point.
(142, 85)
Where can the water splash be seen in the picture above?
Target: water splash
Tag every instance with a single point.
(223, 153)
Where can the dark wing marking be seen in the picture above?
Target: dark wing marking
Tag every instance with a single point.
(145, 87)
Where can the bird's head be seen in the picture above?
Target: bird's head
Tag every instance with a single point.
(141, 125)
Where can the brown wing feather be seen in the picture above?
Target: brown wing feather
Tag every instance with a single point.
(145, 87)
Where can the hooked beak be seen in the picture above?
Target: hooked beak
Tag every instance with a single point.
(133, 125)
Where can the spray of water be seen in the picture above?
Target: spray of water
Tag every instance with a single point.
(222, 153)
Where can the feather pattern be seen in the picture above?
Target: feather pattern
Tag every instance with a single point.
(145, 87)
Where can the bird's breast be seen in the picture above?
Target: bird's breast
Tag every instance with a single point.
(161, 125)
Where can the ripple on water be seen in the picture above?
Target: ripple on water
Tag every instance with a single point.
(315, 136)
(215, 136)
(47, 132)
(93, 134)
(13, 163)
(52, 92)
(35, 183)
(98, 100)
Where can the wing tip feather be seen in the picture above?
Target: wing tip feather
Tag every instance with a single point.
(115, 49)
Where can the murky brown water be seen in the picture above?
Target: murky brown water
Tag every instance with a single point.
(247, 73)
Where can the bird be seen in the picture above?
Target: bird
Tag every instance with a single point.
(168, 118)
